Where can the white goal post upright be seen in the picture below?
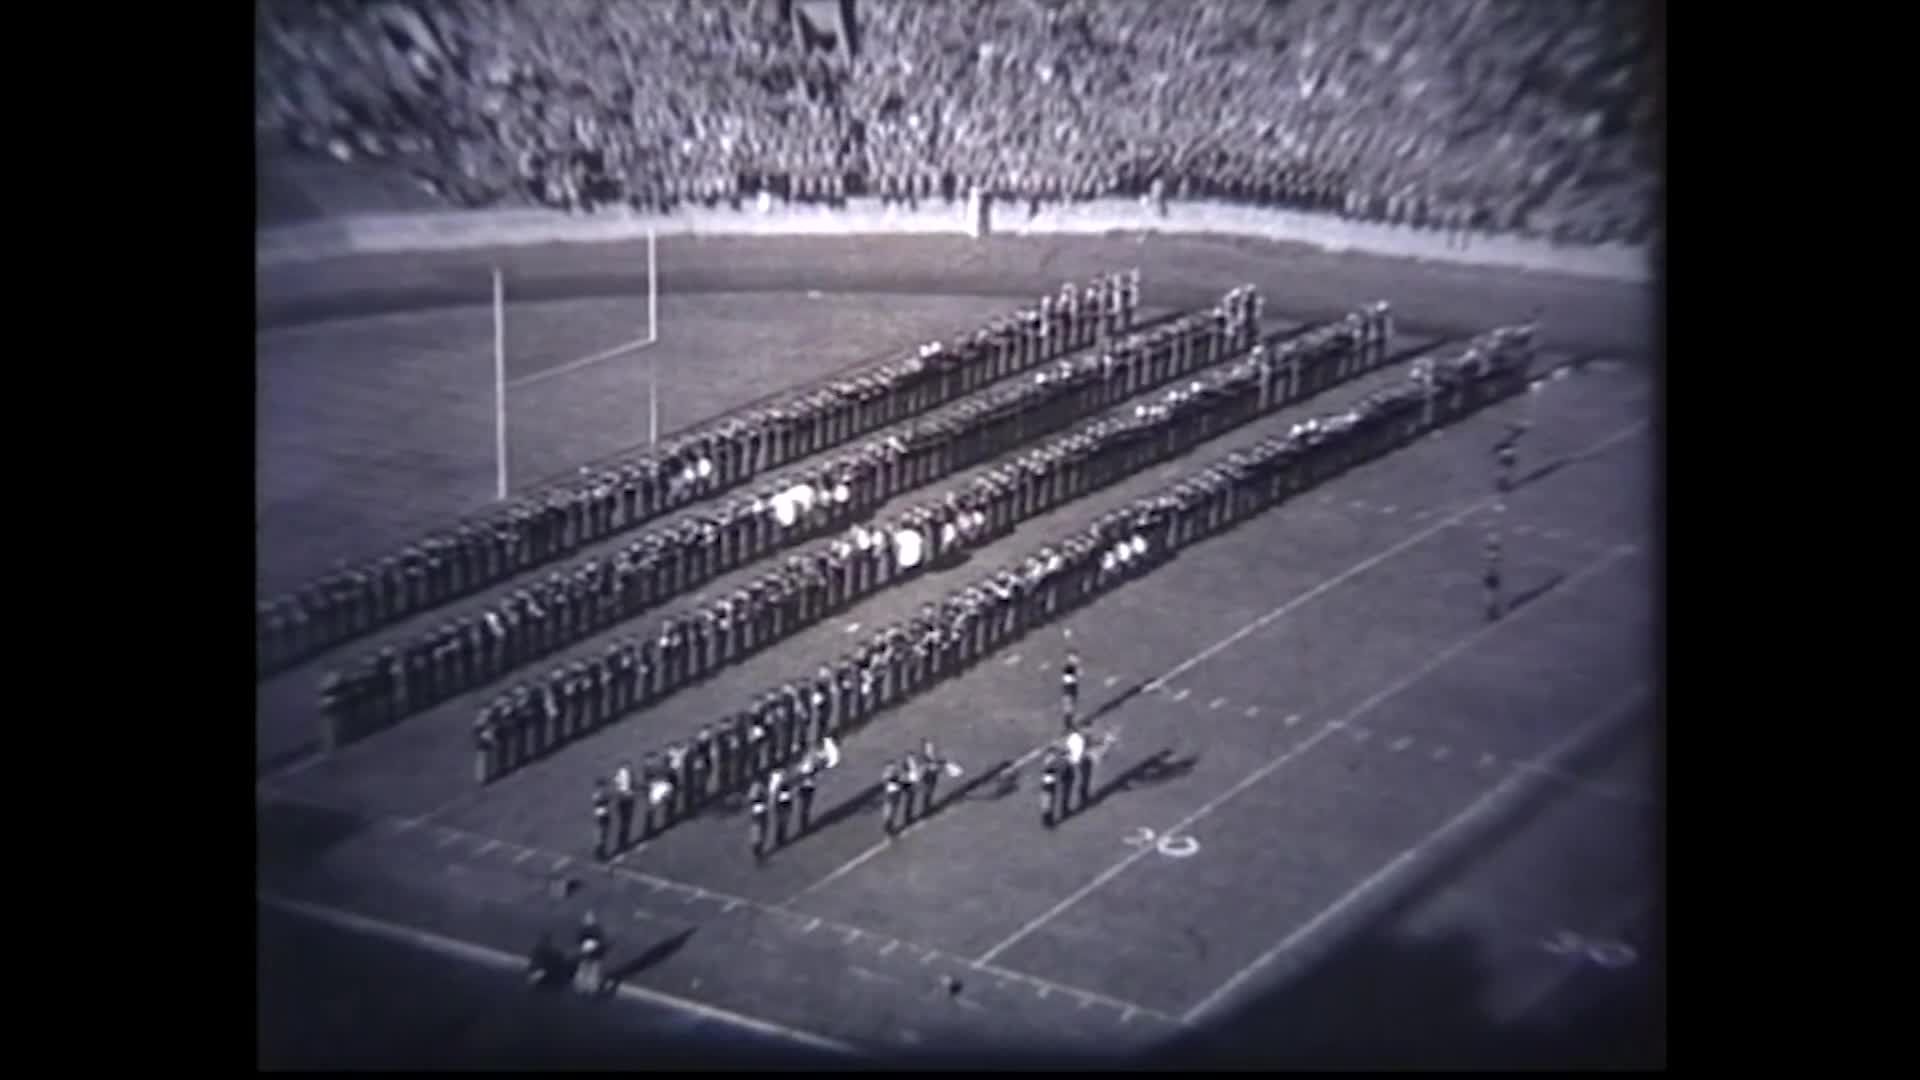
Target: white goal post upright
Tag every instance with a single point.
(653, 335)
(501, 386)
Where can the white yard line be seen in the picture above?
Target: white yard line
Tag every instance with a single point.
(1482, 810)
(1302, 747)
(495, 958)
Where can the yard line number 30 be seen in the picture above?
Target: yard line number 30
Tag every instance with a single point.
(1173, 845)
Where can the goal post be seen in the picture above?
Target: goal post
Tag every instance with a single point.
(501, 384)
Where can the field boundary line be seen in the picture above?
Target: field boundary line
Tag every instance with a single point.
(402, 233)
(487, 956)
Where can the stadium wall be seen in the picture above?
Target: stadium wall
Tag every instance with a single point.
(457, 230)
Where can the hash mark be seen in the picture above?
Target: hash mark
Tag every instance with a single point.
(1402, 743)
(486, 847)
(812, 925)
(1182, 695)
(525, 854)
(853, 628)
(1216, 703)
(1487, 760)
(1253, 710)
(1440, 753)
(561, 863)
(890, 946)
(1361, 734)
(1292, 719)
(1111, 679)
(729, 906)
(1011, 660)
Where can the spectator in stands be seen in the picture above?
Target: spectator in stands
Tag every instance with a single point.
(1505, 115)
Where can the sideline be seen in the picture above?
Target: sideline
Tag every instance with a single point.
(372, 234)
(486, 956)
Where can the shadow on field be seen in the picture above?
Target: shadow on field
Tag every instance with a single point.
(288, 834)
(1159, 768)
(652, 956)
(1522, 599)
(1393, 1003)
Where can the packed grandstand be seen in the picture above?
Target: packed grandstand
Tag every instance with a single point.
(1504, 116)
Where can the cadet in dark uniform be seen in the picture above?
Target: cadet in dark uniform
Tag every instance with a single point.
(912, 772)
(1070, 688)
(890, 792)
(677, 776)
(757, 806)
(930, 774)
(593, 947)
(623, 795)
(602, 819)
(809, 768)
(782, 792)
(657, 792)
(702, 765)
(1077, 770)
(486, 743)
(1506, 452)
(333, 710)
(1085, 770)
(1052, 768)
(1491, 577)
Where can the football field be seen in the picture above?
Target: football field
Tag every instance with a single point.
(1343, 815)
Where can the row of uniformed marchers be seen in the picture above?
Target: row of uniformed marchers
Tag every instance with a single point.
(971, 623)
(810, 587)
(676, 559)
(946, 638)
(870, 558)
(603, 502)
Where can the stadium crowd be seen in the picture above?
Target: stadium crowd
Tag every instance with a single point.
(1496, 115)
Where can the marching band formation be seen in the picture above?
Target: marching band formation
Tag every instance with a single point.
(678, 558)
(1204, 373)
(805, 718)
(544, 527)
